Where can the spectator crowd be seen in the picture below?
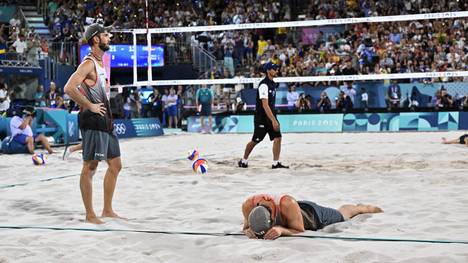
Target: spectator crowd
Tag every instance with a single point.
(374, 48)
(21, 43)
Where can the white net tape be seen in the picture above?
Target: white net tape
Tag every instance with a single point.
(236, 80)
(308, 23)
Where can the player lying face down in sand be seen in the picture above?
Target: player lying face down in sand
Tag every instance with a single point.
(269, 217)
(462, 140)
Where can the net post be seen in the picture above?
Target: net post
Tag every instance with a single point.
(148, 38)
(135, 73)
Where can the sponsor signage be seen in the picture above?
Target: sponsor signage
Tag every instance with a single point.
(137, 127)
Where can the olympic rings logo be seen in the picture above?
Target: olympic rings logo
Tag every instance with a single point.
(120, 128)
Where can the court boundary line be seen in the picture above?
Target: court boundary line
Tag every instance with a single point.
(37, 181)
(223, 234)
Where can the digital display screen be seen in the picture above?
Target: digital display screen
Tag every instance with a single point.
(122, 55)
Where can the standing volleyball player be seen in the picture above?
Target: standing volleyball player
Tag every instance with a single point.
(87, 87)
(265, 120)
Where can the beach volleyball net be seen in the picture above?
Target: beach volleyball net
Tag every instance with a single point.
(229, 86)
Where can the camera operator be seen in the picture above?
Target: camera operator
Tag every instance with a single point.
(324, 103)
(303, 104)
(413, 100)
(22, 133)
(464, 102)
(343, 103)
(446, 100)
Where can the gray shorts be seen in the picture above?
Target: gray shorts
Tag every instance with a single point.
(99, 145)
(205, 109)
(317, 217)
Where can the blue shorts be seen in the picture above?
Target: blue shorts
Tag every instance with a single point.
(21, 138)
(172, 111)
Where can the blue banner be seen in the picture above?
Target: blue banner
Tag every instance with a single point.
(405, 121)
(137, 127)
(463, 121)
(21, 71)
(371, 122)
(289, 123)
(351, 122)
(428, 121)
(223, 124)
(311, 122)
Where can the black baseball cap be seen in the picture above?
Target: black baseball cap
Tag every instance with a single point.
(270, 65)
(94, 30)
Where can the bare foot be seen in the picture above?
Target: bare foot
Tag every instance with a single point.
(372, 208)
(94, 220)
(444, 140)
(111, 214)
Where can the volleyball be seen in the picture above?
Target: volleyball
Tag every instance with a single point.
(39, 159)
(200, 166)
(193, 155)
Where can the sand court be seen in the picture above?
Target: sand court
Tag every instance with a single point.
(420, 183)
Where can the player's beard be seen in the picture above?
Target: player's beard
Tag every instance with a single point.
(103, 47)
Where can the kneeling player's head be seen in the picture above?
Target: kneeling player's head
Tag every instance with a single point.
(260, 220)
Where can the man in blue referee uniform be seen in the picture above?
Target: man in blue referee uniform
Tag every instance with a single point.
(265, 120)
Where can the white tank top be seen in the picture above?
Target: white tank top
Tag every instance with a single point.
(100, 91)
